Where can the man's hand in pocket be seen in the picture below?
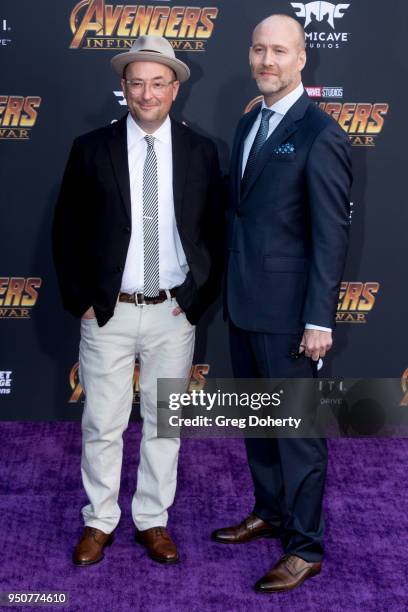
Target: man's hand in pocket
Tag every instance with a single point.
(177, 310)
(89, 314)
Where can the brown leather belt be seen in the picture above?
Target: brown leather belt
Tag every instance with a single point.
(139, 299)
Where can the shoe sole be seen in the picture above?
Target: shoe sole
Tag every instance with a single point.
(290, 588)
(87, 563)
(258, 537)
(163, 561)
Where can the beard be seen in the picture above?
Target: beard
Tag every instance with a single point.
(275, 87)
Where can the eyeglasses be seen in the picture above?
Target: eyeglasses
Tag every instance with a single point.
(138, 85)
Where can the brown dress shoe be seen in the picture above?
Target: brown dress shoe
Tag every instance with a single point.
(89, 549)
(251, 528)
(288, 573)
(160, 546)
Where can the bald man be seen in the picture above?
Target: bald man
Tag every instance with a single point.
(290, 182)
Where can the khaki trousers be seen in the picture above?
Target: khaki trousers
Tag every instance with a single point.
(164, 344)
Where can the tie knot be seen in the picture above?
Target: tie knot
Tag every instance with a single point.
(149, 140)
(267, 114)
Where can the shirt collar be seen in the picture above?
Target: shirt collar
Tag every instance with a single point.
(283, 105)
(135, 132)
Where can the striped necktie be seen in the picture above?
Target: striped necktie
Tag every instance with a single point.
(257, 145)
(151, 286)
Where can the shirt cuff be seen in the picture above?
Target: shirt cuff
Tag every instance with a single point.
(319, 327)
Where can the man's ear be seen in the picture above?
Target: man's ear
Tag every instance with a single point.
(176, 86)
(302, 59)
(123, 86)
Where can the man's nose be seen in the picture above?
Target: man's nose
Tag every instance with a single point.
(147, 92)
(269, 57)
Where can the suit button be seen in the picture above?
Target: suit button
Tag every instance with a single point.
(127, 229)
(119, 268)
(239, 213)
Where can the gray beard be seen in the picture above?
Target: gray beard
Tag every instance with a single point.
(276, 88)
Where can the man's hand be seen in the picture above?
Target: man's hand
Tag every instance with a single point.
(177, 311)
(89, 314)
(315, 343)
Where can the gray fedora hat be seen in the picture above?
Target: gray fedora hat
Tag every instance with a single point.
(151, 49)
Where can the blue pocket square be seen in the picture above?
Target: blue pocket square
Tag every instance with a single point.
(284, 149)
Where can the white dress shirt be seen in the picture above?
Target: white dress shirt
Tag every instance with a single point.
(280, 109)
(172, 260)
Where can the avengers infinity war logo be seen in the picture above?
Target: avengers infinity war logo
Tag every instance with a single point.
(18, 296)
(197, 381)
(18, 115)
(96, 25)
(355, 301)
(362, 121)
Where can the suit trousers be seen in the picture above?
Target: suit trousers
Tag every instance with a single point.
(288, 473)
(164, 345)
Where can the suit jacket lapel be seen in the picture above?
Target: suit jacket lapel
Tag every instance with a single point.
(285, 129)
(117, 144)
(180, 144)
(236, 156)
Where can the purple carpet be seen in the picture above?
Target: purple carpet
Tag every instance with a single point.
(366, 565)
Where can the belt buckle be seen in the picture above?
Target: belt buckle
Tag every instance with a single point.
(137, 303)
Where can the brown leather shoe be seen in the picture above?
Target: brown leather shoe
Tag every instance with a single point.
(89, 549)
(288, 573)
(249, 529)
(160, 546)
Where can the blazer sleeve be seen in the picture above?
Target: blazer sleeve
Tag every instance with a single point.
(329, 179)
(69, 231)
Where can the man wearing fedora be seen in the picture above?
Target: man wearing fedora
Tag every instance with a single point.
(141, 196)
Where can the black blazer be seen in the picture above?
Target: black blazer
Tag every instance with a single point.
(288, 230)
(92, 221)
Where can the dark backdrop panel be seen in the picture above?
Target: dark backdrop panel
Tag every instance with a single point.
(64, 91)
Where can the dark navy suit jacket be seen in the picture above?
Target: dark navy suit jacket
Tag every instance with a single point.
(288, 230)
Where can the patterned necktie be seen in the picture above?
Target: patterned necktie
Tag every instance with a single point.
(151, 285)
(257, 145)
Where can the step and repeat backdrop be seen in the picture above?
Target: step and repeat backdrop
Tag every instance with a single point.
(56, 83)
